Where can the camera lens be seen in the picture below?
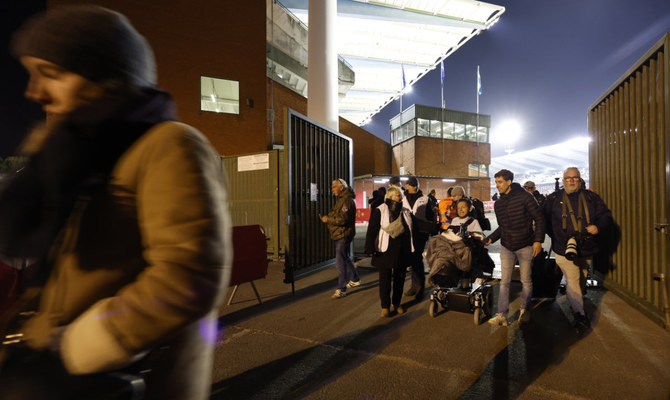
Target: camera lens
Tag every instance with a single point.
(571, 249)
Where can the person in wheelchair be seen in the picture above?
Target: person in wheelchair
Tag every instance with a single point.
(458, 254)
(465, 223)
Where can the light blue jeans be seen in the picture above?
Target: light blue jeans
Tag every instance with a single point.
(345, 266)
(507, 261)
(575, 273)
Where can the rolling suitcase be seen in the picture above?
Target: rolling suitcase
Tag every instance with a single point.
(546, 276)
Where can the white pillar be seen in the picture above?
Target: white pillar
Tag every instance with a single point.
(322, 72)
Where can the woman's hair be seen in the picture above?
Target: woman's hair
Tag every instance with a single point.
(391, 191)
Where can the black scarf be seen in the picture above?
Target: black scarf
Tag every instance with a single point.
(394, 209)
(75, 160)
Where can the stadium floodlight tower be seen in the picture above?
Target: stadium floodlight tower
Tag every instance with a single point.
(510, 133)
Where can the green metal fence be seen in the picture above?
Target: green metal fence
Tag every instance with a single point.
(629, 167)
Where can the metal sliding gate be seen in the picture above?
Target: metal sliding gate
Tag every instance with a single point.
(629, 167)
(316, 156)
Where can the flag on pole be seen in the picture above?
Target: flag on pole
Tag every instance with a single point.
(442, 73)
(442, 80)
(403, 77)
(479, 82)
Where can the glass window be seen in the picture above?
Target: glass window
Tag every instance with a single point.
(219, 95)
(449, 130)
(459, 131)
(436, 129)
(483, 134)
(480, 170)
(470, 134)
(423, 127)
(409, 132)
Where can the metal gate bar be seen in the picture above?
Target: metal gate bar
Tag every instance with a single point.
(316, 156)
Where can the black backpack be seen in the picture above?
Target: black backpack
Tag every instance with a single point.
(479, 214)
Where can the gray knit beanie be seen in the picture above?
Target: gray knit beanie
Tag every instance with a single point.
(94, 42)
(457, 191)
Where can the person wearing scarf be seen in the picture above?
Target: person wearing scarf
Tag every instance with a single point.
(389, 241)
(123, 206)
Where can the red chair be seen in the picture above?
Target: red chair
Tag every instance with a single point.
(250, 260)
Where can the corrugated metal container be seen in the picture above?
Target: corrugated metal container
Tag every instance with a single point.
(258, 195)
(629, 167)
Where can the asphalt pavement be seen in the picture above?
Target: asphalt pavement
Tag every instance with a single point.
(309, 346)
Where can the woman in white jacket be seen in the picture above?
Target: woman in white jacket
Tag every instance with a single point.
(389, 241)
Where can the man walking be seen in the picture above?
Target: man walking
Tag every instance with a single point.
(581, 215)
(530, 188)
(516, 210)
(341, 222)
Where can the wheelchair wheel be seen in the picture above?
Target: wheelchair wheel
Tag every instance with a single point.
(432, 309)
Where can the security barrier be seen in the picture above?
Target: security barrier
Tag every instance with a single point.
(316, 156)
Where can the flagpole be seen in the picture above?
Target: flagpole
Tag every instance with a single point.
(479, 92)
(402, 90)
(479, 86)
(442, 80)
(442, 111)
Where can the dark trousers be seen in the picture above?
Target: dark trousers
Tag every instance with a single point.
(387, 277)
(418, 272)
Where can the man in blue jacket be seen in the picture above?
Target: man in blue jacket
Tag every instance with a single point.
(516, 210)
(580, 214)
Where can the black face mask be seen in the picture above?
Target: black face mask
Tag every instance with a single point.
(394, 207)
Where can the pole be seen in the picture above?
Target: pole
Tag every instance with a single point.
(442, 111)
(479, 88)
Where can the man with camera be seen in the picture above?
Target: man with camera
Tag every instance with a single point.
(574, 219)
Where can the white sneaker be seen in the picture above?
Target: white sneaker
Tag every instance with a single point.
(339, 294)
(498, 319)
(524, 316)
(354, 283)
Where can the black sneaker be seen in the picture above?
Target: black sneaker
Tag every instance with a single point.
(582, 323)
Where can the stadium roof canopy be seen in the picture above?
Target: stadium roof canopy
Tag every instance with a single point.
(542, 164)
(382, 39)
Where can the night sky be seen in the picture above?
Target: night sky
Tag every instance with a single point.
(543, 64)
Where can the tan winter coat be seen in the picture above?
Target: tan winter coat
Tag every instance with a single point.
(145, 265)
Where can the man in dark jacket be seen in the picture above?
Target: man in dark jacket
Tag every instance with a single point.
(574, 212)
(341, 222)
(530, 188)
(516, 210)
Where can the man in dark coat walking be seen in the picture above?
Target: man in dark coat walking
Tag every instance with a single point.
(574, 212)
(516, 210)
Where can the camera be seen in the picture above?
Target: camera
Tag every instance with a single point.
(571, 250)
